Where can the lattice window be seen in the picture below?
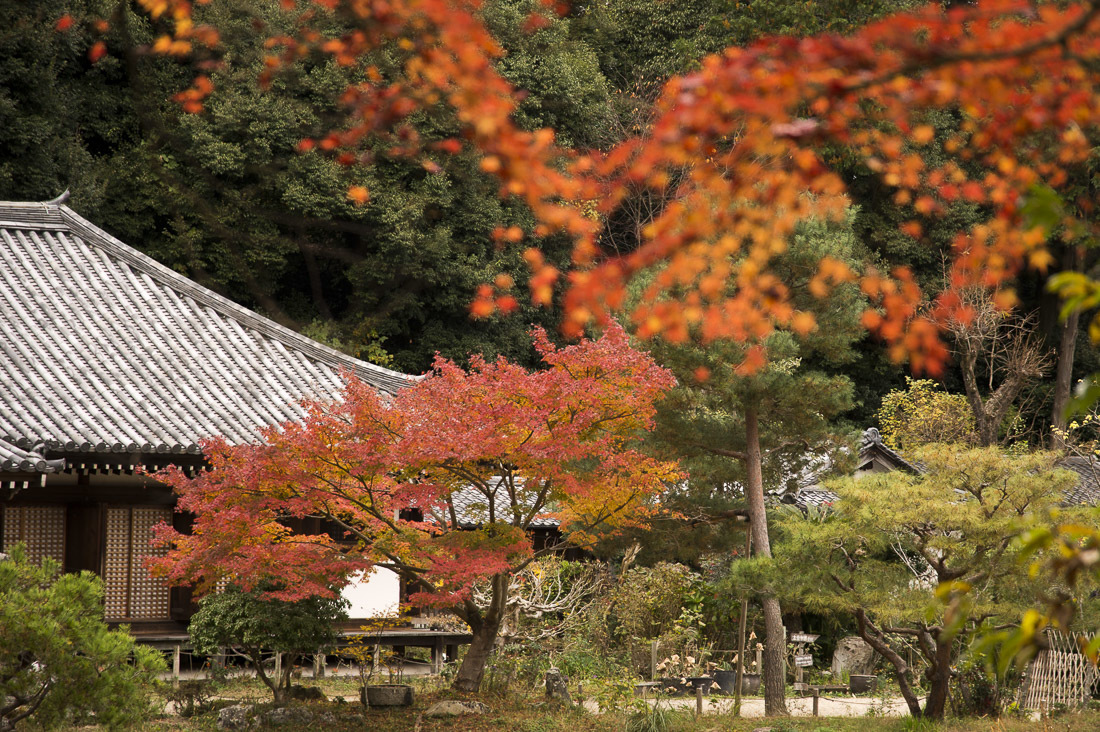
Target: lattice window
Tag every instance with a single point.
(131, 593)
(41, 528)
(116, 564)
(148, 596)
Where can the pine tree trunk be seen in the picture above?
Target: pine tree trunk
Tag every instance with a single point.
(1063, 378)
(1073, 260)
(486, 627)
(775, 682)
(874, 638)
(939, 677)
(775, 685)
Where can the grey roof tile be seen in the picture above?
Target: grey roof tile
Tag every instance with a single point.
(472, 507)
(104, 349)
(1087, 490)
(811, 497)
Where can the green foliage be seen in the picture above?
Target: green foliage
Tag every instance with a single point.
(648, 602)
(798, 396)
(924, 413)
(370, 348)
(642, 42)
(227, 198)
(932, 556)
(658, 718)
(59, 663)
(559, 73)
(979, 694)
(58, 112)
(251, 624)
(957, 519)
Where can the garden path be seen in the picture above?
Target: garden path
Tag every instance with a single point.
(828, 706)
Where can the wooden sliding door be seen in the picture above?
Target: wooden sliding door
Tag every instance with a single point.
(131, 593)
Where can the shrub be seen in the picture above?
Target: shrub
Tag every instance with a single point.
(924, 413)
(59, 662)
(978, 694)
(250, 624)
(648, 601)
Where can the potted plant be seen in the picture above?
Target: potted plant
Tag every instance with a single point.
(675, 672)
(750, 684)
(705, 682)
(685, 673)
(366, 650)
(862, 683)
(725, 676)
(750, 681)
(726, 679)
(704, 676)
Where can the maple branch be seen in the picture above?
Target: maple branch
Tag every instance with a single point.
(540, 502)
(453, 513)
(910, 68)
(338, 492)
(471, 476)
(600, 519)
(508, 477)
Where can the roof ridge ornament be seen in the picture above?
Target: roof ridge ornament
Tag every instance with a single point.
(872, 435)
(60, 200)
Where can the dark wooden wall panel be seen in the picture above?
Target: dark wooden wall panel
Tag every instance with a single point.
(83, 537)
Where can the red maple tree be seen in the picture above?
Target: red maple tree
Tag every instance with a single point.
(443, 483)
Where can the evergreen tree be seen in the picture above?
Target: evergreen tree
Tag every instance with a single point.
(742, 435)
(923, 558)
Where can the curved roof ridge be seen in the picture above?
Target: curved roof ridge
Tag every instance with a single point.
(14, 459)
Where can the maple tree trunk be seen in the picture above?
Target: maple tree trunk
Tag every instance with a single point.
(486, 627)
(255, 658)
(775, 685)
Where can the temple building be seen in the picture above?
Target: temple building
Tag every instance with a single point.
(110, 361)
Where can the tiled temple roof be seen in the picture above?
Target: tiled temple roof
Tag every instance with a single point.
(103, 349)
(1087, 490)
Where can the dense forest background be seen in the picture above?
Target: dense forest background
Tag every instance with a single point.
(228, 198)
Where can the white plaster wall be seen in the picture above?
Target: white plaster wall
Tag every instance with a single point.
(377, 594)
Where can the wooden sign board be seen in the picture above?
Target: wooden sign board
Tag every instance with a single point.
(803, 637)
(802, 661)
